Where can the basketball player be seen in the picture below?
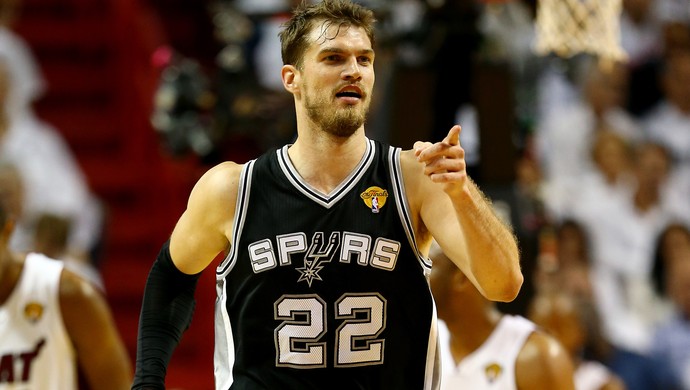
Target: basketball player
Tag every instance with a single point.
(52, 323)
(321, 287)
(482, 348)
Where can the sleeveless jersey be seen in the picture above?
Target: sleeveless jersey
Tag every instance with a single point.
(36, 352)
(324, 291)
(492, 366)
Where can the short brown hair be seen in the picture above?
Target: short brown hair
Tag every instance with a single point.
(294, 36)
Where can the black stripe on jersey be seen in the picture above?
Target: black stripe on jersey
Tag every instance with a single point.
(329, 200)
(243, 191)
(403, 207)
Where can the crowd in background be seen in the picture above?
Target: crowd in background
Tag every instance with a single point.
(601, 194)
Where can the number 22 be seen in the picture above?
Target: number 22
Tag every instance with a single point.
(304, 324)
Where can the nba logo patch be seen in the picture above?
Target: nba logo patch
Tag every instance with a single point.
(374, 198)
(493, 371)
(33, 311)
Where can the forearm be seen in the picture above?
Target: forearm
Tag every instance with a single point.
(491, 246)
(166, 313)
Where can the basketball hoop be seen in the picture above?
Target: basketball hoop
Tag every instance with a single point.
(570, 27)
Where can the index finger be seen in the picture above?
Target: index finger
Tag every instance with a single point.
(453, 137)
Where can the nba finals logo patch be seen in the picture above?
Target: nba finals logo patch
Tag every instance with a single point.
(33, 311)
(493, 371)
(375, 198)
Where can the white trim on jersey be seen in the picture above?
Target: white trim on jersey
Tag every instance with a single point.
(432, 374)
(403, 206)
(243, 192)
(325, 200)
(223, 358)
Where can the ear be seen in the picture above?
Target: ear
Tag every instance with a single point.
(291, 77)
(460, 281)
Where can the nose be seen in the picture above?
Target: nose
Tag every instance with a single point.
(352, 70)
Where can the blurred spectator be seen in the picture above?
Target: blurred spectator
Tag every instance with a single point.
(609, 181)
(565, 136)
(569, 276)
(53, 181)
(677, 11)
(29, 84)
(623, 231)
(669, 123)
(564, 262)
(642, 39)
(641, 33)
(672, 338)
(672, 244)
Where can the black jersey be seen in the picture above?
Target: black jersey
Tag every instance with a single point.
(324, 292)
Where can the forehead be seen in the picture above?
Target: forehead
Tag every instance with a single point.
(343, 36)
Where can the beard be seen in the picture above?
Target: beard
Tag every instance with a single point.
(338, 121)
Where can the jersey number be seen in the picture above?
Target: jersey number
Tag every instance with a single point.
(297, 338)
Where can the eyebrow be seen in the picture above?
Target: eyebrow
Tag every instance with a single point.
(340, 51)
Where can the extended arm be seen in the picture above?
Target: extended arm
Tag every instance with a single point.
(456, 213)
(89, 323)
(199, 236)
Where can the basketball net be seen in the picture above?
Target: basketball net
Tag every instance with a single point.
(570, 27)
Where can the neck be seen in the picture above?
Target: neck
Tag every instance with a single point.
(10, 269)
(470, 330)
(324, 160)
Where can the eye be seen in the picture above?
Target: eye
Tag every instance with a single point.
(365, 60)
(332, 58)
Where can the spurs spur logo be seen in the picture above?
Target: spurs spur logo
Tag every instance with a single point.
(318, 254)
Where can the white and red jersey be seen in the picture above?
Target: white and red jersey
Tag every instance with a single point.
(35, 350)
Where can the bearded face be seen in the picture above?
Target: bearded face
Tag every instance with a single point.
(336, 79)
(340, 120)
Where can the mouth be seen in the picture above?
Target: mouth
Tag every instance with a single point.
(350, 93)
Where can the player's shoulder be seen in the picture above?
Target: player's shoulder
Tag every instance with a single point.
(75, 289)
(541, 346)
(225, 171)
(543, 363)
(220, 180)
(544, 351)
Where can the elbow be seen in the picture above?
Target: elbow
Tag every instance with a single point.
(510, 288)
(506, 287)
(513, 278)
